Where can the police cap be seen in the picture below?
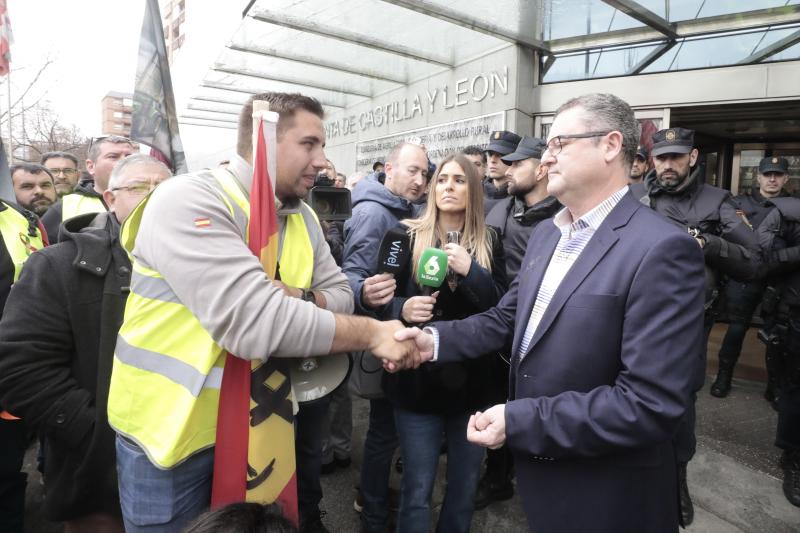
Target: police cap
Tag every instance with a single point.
(773, 164)
(641, 152)
(503, 142)
(673, 141)
(528, 147)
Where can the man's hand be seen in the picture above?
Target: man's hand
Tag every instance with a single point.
(378, 290)
(419, 309)
(423, 341)
(488, 429)
(396, 354)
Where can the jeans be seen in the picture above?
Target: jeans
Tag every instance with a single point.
(308, 452)
(153, 499)
(421, 438)
(379, 446)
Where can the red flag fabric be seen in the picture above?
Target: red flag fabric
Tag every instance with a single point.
(238, 470)
(6, 39)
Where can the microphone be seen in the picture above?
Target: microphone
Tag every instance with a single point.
(431, 270)
(394, 252)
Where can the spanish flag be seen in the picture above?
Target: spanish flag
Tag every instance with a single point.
(254, 458)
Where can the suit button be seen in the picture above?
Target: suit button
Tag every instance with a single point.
(60, 418)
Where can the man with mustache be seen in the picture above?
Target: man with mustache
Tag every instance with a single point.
(33, 187)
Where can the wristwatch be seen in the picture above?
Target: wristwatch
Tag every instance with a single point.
(309, 296)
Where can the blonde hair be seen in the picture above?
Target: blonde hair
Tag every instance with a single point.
(474, 236)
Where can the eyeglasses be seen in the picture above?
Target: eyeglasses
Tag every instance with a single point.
(140, 188)
(556, 144)
(65, 171)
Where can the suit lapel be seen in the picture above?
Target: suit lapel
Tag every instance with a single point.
(601, 242)
(526, 295)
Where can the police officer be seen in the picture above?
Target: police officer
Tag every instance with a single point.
(676, 189)
(780, 238)
(742, 298)
(640, 166)
(20, 236)
(495, 187)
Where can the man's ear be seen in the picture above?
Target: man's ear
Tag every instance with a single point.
(614, 147)
(90, 166)
(109, 198)
(693, 156)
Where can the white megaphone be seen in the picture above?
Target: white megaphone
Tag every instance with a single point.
(315, 377)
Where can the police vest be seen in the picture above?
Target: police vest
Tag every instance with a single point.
(167, 368)
(75, 204)
(21, 236)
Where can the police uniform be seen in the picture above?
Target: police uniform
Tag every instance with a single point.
(742, 298)
(729, 246)
(780, 238)
(20, 236)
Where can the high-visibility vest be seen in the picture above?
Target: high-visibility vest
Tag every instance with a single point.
(74, 204)
(167, 368)
(20, 235)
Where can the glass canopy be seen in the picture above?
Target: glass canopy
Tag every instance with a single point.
(343, 52)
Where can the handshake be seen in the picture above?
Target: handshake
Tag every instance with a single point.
(399, 347)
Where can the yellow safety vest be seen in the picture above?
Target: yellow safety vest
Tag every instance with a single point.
(75, 204)
(167, 368)
(20, 236)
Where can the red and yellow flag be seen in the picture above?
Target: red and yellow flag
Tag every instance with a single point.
(254, 458)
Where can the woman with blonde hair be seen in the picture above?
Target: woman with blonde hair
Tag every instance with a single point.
(436, 399)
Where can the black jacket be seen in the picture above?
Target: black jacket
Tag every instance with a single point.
(731, 246)
(51, 220)
(492, 195)
(755, 206)
(57, 340)
(450, 388)
(515, 221)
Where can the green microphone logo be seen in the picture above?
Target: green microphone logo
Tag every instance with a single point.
(432, 268)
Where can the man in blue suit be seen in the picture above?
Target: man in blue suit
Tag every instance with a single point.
(605, 321)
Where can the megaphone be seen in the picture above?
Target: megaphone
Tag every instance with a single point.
(315, 377)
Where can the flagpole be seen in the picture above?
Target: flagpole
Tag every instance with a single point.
(10, 140)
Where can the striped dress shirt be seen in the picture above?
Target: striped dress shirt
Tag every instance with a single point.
(575, 235)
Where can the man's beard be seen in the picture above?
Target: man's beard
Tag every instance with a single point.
(673, 181)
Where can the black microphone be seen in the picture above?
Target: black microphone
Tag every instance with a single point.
(395, 252)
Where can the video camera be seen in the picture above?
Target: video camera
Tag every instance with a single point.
(329, 202)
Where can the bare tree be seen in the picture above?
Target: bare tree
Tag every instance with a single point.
(42, 131)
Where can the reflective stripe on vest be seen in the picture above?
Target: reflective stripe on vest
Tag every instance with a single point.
(75, 204)
(167, 368)
(14, 228)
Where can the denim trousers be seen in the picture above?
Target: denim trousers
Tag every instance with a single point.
(421, 439)
(156, 500)
(379, 447)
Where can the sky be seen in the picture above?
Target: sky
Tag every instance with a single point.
(93, 45)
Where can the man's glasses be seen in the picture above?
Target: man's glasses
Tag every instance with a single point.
(556, 144)
(139, 188)
(66, 171)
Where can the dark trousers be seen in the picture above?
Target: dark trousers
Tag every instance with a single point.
(379, 447)
(13, 441)
(742, 300)
(788, 433)
(308, 452)
(685, 440)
